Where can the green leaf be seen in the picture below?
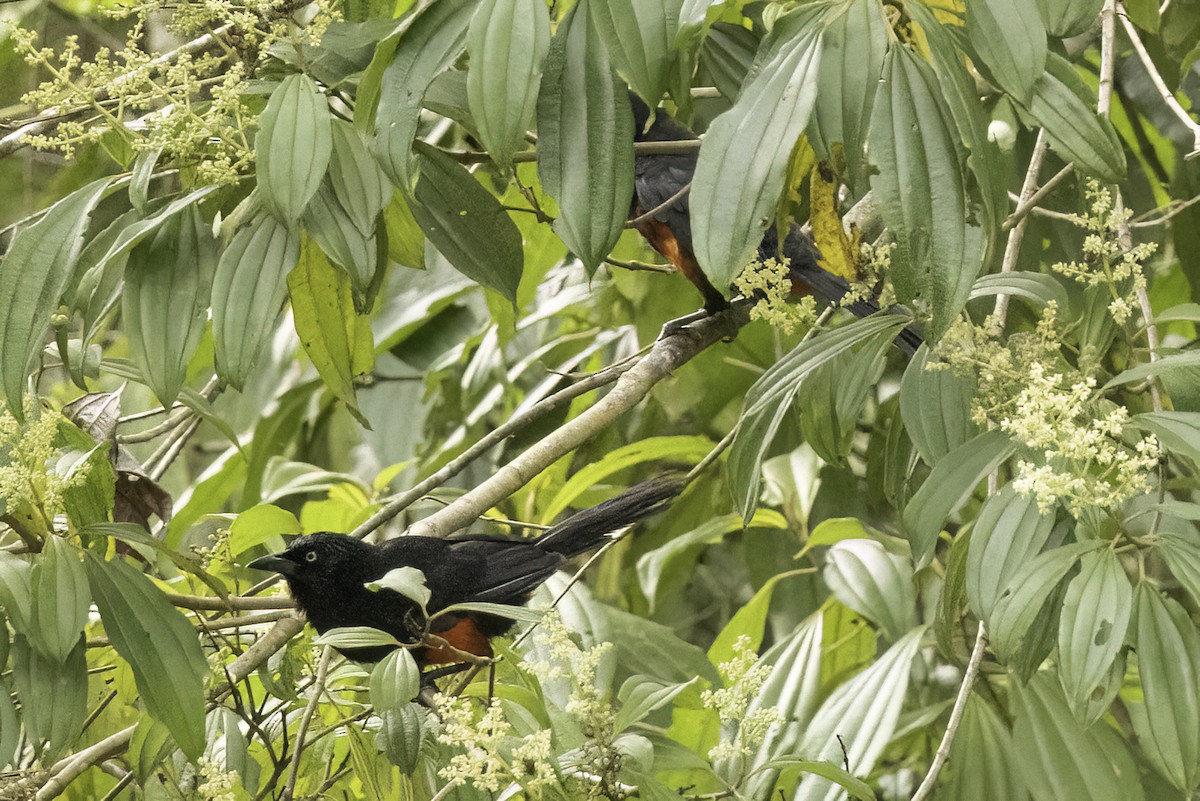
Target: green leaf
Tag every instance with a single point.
(585, 140)
(53, 694)
(921, 190)
(1038, 288)
(1059, 757)
(467, 225)
(639, 35)
(1091, 630)
(1066, 18)
(293, 147)
(1182, 555)
(743, 162)
(356, 637)
(16, 591)
(664, 561)
(876, 584)
(831, 400)
(407, 581)
(258, 524)
(339, 236)
(1066, 108)
(406, 240)
(10, 724)
(948, 487)
(652, 449)
(33, 275)
(400, 736)
(641, 695)
(507, 42)
(1009, 531)
(856, 788)
(395, 681)
(158, 643)
(248, 291)
(982, 765)
(168, 282)
(520, 614)
(428, 47)
(936, 407)
(362, 189)
(60, 596)
(769, 400)
(338, 340)
(1168, 650)
(1164, 365)
(1026, 593)
(139, 230)
(1010, 38)
(854, 48)
(792, 687)
(864, 712)
(749, 621)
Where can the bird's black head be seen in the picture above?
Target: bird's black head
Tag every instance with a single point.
(641, 114)
(318, 564)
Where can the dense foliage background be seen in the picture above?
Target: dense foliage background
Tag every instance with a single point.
(362, 267)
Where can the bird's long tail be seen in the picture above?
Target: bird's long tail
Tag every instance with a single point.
(586, 530)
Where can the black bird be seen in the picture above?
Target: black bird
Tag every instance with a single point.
(661, 180)
(326, 574)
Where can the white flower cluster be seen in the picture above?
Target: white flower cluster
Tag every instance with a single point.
(744, 676)
(1107, 260)
(769, 283)
(485, 740)
(217, 784)
(1087, 462)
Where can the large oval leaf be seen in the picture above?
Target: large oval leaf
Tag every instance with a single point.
(947, 488)
(53, 694)
(248, 291)
(1168, 649)
(1009, 531)
(427, 48)
(467, 225)
(33, 274)
(293, 146)
(158, 643)
(585, 140)
(1060, 758)
(60, 600)
(859, 717)
(982, 765)
(921, 190)
(1065, 18)
(507, 42)
(1066, 108)
(359, 185)
(1091, 629)
(168, 281)
(337, 340)
(769, 400)
(341, 238)
(854, 49)
(877, 584)
(936, 407)
(743, 162)
(639, 35)
(1010, 39)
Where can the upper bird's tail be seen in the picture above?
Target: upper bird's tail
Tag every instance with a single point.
(586, 530)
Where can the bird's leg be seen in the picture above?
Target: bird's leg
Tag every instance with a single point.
(430, 640)
(446, 670)
(491, 681)
(672, 327)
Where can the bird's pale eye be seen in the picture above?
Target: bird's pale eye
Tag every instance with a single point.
(311, 556)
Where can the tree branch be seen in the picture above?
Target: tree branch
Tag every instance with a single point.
(665, 357)
(1167, 95)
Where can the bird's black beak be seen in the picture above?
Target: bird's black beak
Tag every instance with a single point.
(274, 563)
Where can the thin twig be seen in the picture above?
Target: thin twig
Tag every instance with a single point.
(1012, 248)
(1037, 197)
(666, 204)
(956, 714)
(318, 687)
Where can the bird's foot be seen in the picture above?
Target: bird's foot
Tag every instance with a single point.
(673, 327)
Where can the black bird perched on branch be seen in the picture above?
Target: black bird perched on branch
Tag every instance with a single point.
(661, 184)
(326, 574)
